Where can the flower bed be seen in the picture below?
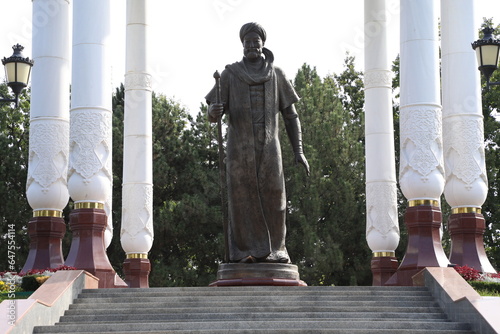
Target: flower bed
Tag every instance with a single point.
(19, 285)
(485, 284)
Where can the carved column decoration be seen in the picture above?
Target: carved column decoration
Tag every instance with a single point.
(382, 230)
(90, 174)
(421, 174)
(137, 200)
(46, 186)
(466, 182)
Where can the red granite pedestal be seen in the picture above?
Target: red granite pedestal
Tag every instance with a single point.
(257, 274)
(424, 244)
(87, 250)
(383, 268)
(136, 272)
(46, 235)
(467, 245)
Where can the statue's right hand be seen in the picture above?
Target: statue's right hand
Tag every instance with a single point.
(216, 110)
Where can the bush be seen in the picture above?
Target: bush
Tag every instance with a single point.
(468, 273)
(489, 286)
(30, 282)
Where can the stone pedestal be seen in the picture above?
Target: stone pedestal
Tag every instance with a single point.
(46, 235)
(424, 244)
(251, 274)
(467, 247)
(87, 250)
(383, 267)
(136, 272)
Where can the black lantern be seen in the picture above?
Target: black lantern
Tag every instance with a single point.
(17, 72)
(487, 51)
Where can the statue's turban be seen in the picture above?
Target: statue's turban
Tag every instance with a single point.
(252, 27)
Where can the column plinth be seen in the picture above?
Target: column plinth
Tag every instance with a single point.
(424, 244)
(87, 250)
(46, 235)
(136, 272)
(383, 268)
(467, 247)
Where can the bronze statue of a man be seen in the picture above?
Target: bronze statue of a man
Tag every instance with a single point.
(253, 92)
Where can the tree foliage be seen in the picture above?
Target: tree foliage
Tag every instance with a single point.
(326, 213)
(14, 139)
(491, 207)
(186, 203)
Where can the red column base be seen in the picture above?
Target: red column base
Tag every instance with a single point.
(467, 247)
(87, 250)
(137, 272)
(46, 235)
(382, 269)
(424, 244)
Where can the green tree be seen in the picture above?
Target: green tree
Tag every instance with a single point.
(491, 207)
(14, 139)
(188, 242)
(326, 213)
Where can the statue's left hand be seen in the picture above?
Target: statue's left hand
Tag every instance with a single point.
(301, 159)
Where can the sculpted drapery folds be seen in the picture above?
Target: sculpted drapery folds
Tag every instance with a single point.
(253, 92)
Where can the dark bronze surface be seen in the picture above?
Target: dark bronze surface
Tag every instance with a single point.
(240, 274)
(253, 93)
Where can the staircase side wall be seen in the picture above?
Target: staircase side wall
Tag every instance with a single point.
(459, 300)
(48, 303)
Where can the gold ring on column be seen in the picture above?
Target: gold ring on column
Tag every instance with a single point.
(384, 254)
(137, 256)
(418, 202)
(47, 213)
(89, 205)
(466, 210)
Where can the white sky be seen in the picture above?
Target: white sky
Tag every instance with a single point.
(190, 39)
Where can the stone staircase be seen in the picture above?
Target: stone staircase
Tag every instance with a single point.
(256, 310)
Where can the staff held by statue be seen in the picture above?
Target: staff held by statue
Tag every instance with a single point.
(222, 168)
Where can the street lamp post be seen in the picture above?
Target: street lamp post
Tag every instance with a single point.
(487, 52)
(17, 72)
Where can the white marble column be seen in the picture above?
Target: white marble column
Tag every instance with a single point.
(90, 174)
(463, 134)
(421, 167)
(46, 188)
(137, 204)
(382, 230)
(421, 173)
(90, 142)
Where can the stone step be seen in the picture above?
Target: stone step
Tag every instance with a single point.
(332, 294)
(431, 327)
(150, 309)
(291, 331)
(138, 304)
(248, 299)
(245, 289)
(233, 291)
(241, 316)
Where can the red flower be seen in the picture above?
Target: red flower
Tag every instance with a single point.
(468, 273)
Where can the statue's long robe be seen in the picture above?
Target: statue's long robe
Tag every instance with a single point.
(254, 170)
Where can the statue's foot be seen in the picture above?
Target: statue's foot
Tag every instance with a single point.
(248, 259)
(277, 258)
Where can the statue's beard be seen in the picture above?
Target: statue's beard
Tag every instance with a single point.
(253, 53)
